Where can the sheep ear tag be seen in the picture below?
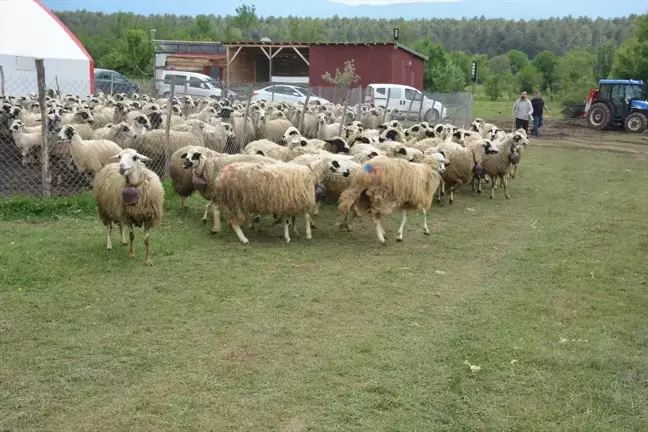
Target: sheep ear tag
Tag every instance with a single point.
(129, 195)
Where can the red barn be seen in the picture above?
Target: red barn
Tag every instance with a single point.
(305, 63)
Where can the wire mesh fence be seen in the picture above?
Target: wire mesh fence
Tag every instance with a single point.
(157, 117)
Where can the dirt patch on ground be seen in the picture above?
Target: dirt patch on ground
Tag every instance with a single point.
(575, 134)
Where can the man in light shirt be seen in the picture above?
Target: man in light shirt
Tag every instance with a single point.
(523, 112)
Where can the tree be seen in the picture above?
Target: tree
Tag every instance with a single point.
(462, 61)
(518, 59)
(604, 60)
(500, 65)
(575, 75)
(631, 60)
(132, 54)
(529, 79)
(246, 19)
(546, 63)
(344, 79)
(494, 87)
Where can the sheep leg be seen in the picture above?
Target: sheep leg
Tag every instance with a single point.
(183, 204)
(347, 219)
(216, 215)
(294, 225)
(399, 235)
(439, 193)
(204, 218)
(493, 187)
(239, 233)
(108, 231)
(426, 230)
(452, 189)
(513, 171)
(131, 237)
(122, 238)
(147, 253)
(379, 231)
(309, 235)
(505, 184)
(316, 212)
(287, 230)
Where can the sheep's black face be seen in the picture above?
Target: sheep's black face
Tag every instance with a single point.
(156, 119)
(225, 112)
(303, 143)
(439, 129)
(402, 151)
(430, 133)
(391, 135)
(372, 155)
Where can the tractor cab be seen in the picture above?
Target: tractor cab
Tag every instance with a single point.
(617, 102)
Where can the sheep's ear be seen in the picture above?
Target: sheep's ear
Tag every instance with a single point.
(114, 156)
(143, 158)
(372, 155)
(183, 156)
(259, 152)
(401, 151)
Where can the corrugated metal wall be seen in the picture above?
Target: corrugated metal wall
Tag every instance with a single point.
(374, 64)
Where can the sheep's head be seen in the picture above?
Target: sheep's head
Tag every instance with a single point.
(476, 126)
(66, 133)
(124, 129)
(492, 134)
(129, 161)
(490, 148)
(119, 97)
(225, 112)
(290, 134)
(176, 110)
(191, 159)
(338, 145)
(156, 119)
(143, 121)
(337, 167)
(136, 105)
(228, 129)
(84, 115)
(15, 112)
(16, 126)
(459, 137)
(437, 160)
(390, 134)
(409, 154)
(135, 97)
(520, 138)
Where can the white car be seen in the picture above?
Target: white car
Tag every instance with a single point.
(196, 84)
(285, 93)
(404, 98)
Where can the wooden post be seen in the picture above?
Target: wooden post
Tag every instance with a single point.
(167, 147)
(245, 119)
(301, 119)
(386, 105)
(2, 82)
(45, 174)
(409, 109)
(58, 89)
(420, 119)
(343, 121)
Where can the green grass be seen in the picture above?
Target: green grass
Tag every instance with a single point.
(340, 333)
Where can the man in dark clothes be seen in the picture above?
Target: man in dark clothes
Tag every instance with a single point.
(538, 112)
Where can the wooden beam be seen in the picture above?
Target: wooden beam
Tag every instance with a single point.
(300, 55)
(265, 52)
(277, 52)
(234, 56)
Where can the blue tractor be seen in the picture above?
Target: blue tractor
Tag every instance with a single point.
(615, 103)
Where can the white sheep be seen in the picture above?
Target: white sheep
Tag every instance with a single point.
(388, 183)
(26, 142)
(285, 189)
(88, 155)
(128, 193)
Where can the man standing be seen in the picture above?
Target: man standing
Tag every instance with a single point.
(538, 113)
(523, 112)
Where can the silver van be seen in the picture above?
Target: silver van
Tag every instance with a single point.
(195, 84)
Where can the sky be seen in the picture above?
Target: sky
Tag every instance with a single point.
(408, 9)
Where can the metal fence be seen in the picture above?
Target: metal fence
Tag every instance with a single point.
(37, 163)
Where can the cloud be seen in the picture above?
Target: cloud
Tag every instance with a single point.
(389, 2)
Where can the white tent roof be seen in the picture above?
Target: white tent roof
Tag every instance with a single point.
(29, 29)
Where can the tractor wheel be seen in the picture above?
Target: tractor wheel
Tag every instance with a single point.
(599, 116)
(636, 123)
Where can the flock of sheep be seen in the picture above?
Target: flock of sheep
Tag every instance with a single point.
(265, 158)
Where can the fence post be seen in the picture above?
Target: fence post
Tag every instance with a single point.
(386, 105)
(58, 89)
(112, 85)
(470, 110)
(420, 118)
(409, 109)
(301, 119)
(45, 174)
(243, 140)
(167, 146)
(343, 121)
(2, 82)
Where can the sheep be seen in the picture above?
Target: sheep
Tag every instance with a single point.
(205, 169)
(326, 131)
(88, 155)
(26, 142)
(272, 130)
(391, 134)
(153, 143)
(286, 189)
(498, 166)
(270, 149)
(113, 183)
(465, 162)
(120, 133)
(334, 145)
(214, 137)
(181, 178)
(388, 183)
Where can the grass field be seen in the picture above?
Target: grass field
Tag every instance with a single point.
(503, 109)
(546, 292)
